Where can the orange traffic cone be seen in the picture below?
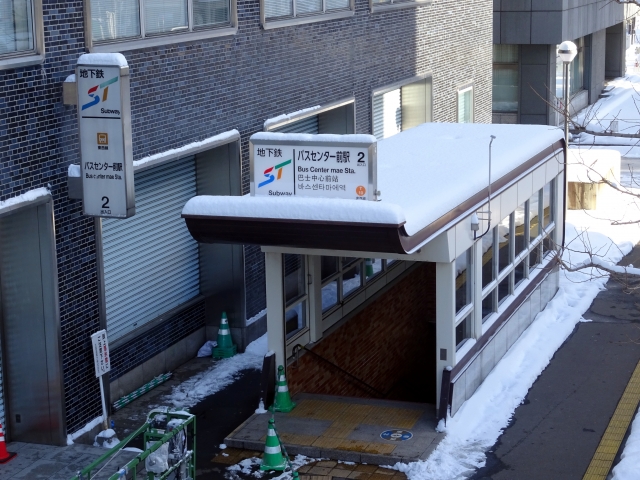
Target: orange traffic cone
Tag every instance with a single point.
(4, 455)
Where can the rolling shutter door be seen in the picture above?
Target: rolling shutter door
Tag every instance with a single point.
(306, 125)
(150, 259)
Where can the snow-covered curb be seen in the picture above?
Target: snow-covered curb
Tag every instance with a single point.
(481, 420)
(629, 466)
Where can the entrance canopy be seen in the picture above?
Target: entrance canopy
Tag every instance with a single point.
(429, 177)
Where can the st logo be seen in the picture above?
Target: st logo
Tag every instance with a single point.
(95, 96)
(270, 176)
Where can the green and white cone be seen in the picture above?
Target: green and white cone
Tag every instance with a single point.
(283, 401)
(272, 458)
(368, 269)
(225, 348)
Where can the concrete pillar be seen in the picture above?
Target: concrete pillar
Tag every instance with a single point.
(445, 319)
(315, 298)
(276, 340)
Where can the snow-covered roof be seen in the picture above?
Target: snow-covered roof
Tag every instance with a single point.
(423, 174)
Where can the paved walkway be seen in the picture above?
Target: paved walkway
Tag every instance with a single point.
(554, 434)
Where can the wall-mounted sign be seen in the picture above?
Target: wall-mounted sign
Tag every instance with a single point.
(104, 121)
(101, 357)
(313, 166)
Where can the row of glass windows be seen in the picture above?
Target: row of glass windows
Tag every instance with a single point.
(511, 252)
(341, 277)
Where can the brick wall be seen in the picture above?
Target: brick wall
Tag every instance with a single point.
(184, 92)
(388, 340)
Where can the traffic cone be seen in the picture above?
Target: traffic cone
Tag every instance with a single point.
(225, 348)
(368, 269)
(272, 458)
(4, 455)
(283, 401)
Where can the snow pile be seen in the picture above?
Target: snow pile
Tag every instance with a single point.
(26, 197)
(106, 439)
(71, 437)
(251, 466)
(481, 419)
(206, 350)
(629, 465)
(103, 59)
(74, 170)
(218, 376)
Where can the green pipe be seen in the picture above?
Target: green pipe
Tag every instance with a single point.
(87, 470)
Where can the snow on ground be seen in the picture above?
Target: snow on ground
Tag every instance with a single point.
(477, 425)
(219, 375)
(629, 465)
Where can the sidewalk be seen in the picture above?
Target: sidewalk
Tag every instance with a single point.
(555, 432)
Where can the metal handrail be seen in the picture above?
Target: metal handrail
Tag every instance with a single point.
(299, 347)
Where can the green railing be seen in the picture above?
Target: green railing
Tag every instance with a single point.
(151, 433)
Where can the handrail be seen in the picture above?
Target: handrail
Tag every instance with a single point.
(299, 347)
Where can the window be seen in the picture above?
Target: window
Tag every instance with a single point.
(336, 118)
(277, 13)
(505, 78)
(295, 294)
(464, 297)
(20, 32)
(395, 3)
(115, 20)
(463, 331)
(465, 105)
(401, 107)
(576, 71)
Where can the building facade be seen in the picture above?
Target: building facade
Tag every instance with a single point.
(204, 77)
(527, 73)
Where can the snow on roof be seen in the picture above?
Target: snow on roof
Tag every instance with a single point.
(116, 59)
(423, 173)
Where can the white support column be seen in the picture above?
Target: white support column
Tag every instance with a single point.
(275, 306)
(445, 320)
(476, 287)
(315, 298)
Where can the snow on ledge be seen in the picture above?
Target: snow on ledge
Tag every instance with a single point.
(301, 208)
(288, 116)
(324, 137)
(71, 437)
(26, 197)
(73, 170)
(116, 59)
(70, 79)
(188, 149)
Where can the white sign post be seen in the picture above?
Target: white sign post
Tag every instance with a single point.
(104, 120)
(317, 166)
(102, 365)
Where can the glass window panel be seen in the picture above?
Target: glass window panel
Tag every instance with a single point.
(503, 289)
(114, 19)
(351, 280)
(488, 264)
(278, 8)
(16, 26)
(295, 318)
(308, 6)
(518, 273)
(337, 4)
(505, 88)
(463, 282)
(387, 114)
(488, 305)
(547, 245)
(373, 266)
(329, 295)
(294, 277)
(328, 266)
(534, 219)
(165, 16)
(519, 237)
(348, 261)
(210, 12)
(505, 53)
(547, 194)
(416, 102)
(465, 106)
(463, 331)
(504, 257)
(534, 258)
(576, 77)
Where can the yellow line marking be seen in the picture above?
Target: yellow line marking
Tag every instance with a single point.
(612, 439)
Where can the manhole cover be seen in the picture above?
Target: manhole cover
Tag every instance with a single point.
(396, 435)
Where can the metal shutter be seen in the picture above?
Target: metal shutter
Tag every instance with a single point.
(387, 114)
(150, 259)
(306, 125)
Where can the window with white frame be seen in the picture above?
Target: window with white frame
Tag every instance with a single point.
(465, 105)
(295, 294)
(514, 249)
(464, 298)
(400, 108)
(17, 27)
(342, 277)
(291, 9)
(114, 20)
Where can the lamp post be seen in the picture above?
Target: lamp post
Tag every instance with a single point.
(567, 51)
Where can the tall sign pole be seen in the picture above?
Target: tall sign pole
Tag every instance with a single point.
(104, 120)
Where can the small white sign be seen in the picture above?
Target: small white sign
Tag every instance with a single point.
(105, 137)
(101, 358)
(313, 169)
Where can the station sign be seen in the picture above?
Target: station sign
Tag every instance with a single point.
(322, 166)
(104, 121)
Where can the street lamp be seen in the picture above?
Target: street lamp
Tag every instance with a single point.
(567, 52)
